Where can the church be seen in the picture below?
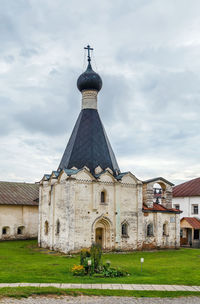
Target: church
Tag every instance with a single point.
(89, 200)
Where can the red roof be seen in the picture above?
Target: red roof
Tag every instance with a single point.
(158, 207)
(193, 221)
(191, 188)
(12, 193)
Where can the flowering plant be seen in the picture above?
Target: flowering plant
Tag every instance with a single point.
(78, 270)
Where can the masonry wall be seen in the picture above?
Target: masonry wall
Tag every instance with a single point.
(76, 204)
(185, 204)
(158, 240)
(12, 217)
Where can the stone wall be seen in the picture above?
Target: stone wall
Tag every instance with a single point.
(73, 204)
(76, 203)
(18, 222)
(161, 238)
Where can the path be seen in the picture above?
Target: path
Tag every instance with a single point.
(108, 286)
(101, 300)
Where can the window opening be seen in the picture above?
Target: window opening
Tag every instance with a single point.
(5, 230)
(124, 229)
(196, 234)
(195, 209)
(150, 230)
(103, 197)
(20, 230)
(58, 227)
(46, 227)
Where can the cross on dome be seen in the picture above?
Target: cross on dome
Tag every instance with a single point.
(89, 49)
(89, 80)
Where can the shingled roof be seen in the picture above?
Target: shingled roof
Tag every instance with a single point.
(191, 188)
(12, 193)
(89, 145)
(192, 221)
(159, 208)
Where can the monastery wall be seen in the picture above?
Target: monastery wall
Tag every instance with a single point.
(18, 222)
(165, 230)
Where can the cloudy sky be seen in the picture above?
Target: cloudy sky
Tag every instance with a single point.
(148, 55)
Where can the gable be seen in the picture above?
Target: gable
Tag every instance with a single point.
(129, 179)
(83, 175)
(106, 177)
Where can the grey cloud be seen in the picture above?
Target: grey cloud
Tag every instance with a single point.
(148, 54)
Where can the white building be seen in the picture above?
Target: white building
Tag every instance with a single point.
(18, 210)
(186, 197)
(88, 199)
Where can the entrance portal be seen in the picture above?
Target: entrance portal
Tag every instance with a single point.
(99, 236)
(102, 229)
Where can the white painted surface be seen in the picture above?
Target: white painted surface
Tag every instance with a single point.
(186, 205)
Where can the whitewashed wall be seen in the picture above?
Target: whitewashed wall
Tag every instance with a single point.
(14, 216)
(186, 205)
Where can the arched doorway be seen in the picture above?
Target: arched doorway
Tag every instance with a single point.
(99, 236)
(102, 229)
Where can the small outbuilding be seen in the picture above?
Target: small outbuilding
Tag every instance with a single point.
(18, 210)
(190, 231)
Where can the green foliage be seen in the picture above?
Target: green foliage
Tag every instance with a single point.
(25, 292)
(111, 272)
(78, 270)
(96, 253)
(85, 253)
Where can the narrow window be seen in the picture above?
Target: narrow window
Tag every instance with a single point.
(165, 228)
(124, 229)
(103, 197)
(196, 234)
(58, 227)
(177, 207)
(150, 230)
(20, 230)
(195, 209)
(46, 227)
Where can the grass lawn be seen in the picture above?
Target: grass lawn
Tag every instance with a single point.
(22, 261)
(25, 292)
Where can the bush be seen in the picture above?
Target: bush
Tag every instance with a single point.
(90, 263)
(78, 270)
(85, 253)
(96, 253)
(113, 272)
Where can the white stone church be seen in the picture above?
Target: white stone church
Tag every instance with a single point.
(88, 199)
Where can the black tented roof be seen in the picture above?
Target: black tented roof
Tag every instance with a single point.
(89, 145)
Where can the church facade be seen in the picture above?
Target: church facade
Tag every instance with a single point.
(88, 199)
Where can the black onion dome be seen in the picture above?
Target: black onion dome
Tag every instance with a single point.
(89, 80)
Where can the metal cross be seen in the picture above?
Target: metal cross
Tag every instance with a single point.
(89, 49)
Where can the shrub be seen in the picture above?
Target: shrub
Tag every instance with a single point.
(78, 270)
(89, 265)
(96, 253)
(113, 272)
(85, 253)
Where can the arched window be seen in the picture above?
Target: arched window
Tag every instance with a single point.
(46, 227)
(125, 229)
(103, 196)
(150, 229)
(20, 230)
(57, 227)
(165, 229)
(5, 230)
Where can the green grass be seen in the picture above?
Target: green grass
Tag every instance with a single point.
(22, 261)
(25, 292)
